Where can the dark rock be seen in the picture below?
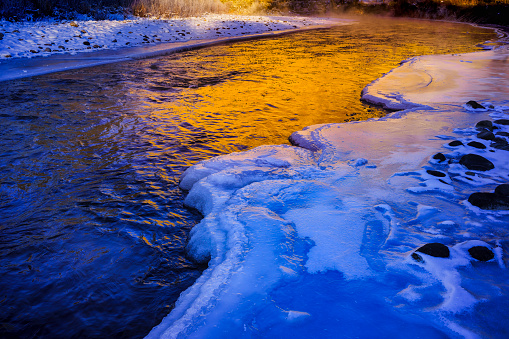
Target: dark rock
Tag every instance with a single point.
(503, 147)
(47, 49)
(439, 156)
(470, 173)
(489, 201)
(86, 43)
(504, 134)
(435, 249)
(502, 121)
(455, 143)
(500, 143)
(474, 104)
(486, 135)
(500, 140)
(417, 257)
(484, 124)
(481, 253)
(502, 190)
(476, 145)
(476, 162)
(436, 173)
(1, 36)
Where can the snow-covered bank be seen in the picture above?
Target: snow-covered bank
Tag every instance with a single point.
(34, 48)
(318, 240)
(444, 79)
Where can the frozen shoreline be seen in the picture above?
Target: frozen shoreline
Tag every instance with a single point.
(30, 49)
(363, 196)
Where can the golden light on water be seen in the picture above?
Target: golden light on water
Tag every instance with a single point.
(259, 92)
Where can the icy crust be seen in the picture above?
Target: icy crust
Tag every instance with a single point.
(440, 79)
(317, 240)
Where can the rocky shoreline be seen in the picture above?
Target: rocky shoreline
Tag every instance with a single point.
(486, 136)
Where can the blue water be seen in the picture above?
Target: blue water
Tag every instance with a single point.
(92, 224)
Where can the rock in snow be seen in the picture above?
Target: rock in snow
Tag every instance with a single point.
(502, 190)
(484, 124)
(476, 162)
(489, 201)
(486, 135)
(476, 144)
(455, 143)
(435, 249)
(440, 157)
(481, 253)
(502, 122)
(475, 104)
(499, 200)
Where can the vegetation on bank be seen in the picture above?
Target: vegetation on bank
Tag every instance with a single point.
(472, 11)
(477, 11)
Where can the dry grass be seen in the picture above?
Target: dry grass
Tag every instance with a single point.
(170, 8)
(249, 6)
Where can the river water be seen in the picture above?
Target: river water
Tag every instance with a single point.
(92, 223)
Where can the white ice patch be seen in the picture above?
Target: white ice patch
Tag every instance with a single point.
(297, 316)
(337, 235)
(265, 157)
(431, 80)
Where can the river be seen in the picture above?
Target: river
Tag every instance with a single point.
(93, 227)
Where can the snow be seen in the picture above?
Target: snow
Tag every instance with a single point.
(64, 43)
(428, 80)
(316, 239)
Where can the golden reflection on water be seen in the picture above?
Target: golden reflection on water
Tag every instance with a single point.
(259, 92)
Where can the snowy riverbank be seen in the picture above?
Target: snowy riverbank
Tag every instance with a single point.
(320, 239)
(35, 48)
(30, 39)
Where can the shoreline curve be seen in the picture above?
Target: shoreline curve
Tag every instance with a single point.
(29, 67)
